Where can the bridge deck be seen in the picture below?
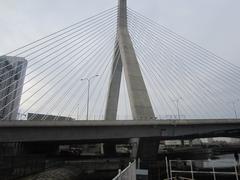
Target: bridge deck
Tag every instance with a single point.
(29, 131)
(182, 122)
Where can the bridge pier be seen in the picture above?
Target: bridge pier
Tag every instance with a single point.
(148, 151)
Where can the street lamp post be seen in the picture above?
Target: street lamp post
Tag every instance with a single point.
(234, 108)
(177, 104)
(78, 112)
(88, 90)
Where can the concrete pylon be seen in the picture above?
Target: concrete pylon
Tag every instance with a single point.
(114, 86)
(140, 104)
(139, 100)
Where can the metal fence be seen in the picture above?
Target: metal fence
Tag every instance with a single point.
(129, 173)
(189, 169)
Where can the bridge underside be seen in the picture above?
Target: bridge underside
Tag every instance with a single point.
(119, 131)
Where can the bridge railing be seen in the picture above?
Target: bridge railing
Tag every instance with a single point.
(129, 173)
(190, 169)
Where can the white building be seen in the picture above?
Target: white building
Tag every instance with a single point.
(12, 73)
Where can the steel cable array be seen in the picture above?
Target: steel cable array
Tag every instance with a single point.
(183, 79)
(177, 69)
(58, 62)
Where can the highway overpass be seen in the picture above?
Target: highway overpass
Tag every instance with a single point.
(100, 131)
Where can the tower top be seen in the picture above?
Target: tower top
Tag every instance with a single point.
(122, 13)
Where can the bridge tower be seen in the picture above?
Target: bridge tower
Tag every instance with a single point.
(140, 104)
(139, 100)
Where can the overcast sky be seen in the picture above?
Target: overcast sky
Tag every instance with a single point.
(213, 24)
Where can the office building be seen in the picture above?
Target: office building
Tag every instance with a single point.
(12, 74)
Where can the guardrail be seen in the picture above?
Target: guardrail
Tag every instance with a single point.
(129, 173)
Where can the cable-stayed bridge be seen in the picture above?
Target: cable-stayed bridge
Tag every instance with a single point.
(175, 71)
(117, 65)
